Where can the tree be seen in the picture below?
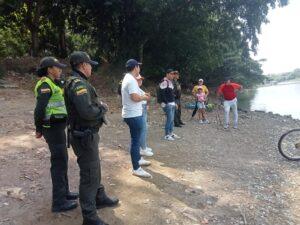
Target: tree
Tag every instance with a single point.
(200, 38)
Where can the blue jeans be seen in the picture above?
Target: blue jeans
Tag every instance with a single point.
(135, 125)
(170, 112)
(144, 131)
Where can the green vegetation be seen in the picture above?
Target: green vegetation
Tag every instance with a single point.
(208, 39)
(281, 77)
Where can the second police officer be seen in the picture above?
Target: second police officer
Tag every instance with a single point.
(86, 115)
(50, 118)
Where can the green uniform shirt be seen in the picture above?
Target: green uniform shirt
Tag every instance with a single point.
(49, 104)
(83, 105)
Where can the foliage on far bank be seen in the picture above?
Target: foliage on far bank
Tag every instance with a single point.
(281, 77)
(208, 39)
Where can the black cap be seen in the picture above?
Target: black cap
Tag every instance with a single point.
(132, 63)
(46, 62)
(49, 62)
(170, 71)
(78, 57)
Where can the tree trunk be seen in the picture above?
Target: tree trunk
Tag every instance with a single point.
(141, 50)
(34, 42)
(33, 23)
(62, 41)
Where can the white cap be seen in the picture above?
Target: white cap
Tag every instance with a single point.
(200, 80)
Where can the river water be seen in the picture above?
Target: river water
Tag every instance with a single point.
(283, 99)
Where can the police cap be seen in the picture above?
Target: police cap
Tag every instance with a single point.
(78, 57)
(46, 62)
(49, 62)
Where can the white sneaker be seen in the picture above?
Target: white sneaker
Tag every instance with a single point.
(149, 149)
(145, 152)
(206, 121)
(201, 121)
(143, 162)
(226, 127)
(235, 127)
(175, 136)
(169, 138)
(141, 173)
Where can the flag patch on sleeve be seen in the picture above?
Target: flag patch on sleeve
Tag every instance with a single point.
(45, 90)
(81, 91)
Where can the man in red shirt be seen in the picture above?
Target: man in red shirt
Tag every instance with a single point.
(228, 90)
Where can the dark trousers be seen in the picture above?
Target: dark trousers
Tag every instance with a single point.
(135, 125)
(195, 109)
(56, 139)
(90, 188)
(177, 117)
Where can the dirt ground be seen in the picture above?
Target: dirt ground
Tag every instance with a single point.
(209, 176)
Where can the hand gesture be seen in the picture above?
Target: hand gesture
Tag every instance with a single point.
(147, 96)
(105, 106)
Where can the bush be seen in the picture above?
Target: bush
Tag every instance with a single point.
(12, 44)
(210, 107)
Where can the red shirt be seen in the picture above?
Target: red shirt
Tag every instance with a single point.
(228, 90)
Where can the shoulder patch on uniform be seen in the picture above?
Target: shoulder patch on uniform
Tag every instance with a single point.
(81, 91)
(79, 87)
(45, 90)
(43, 78)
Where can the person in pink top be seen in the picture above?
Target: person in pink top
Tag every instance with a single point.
(201, 98)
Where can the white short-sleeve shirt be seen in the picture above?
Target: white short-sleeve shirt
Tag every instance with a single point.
(130, 108)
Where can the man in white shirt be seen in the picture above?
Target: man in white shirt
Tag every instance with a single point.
(132, 114)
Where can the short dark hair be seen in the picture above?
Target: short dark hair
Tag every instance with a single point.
(76, 66)
(42, 72)
(130, 68)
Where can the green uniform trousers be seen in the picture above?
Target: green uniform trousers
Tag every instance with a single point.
(56, 140)
(90, 187)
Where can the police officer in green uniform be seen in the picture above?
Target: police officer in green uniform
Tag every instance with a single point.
(86, 115)
(50, 120)
(177, 92)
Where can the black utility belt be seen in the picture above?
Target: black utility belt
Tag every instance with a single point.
(54, 123)
(57, 119)
(84, 133)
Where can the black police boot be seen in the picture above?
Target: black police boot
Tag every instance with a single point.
(72, 196)
(65, 206)
(93, 222)
(177, 125)
(181, 123)
(102, 201)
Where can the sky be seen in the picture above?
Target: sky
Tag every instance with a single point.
(279, 41)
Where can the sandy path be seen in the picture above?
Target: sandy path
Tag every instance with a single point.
(210, 176)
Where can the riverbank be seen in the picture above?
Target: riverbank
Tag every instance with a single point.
(209, 176)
